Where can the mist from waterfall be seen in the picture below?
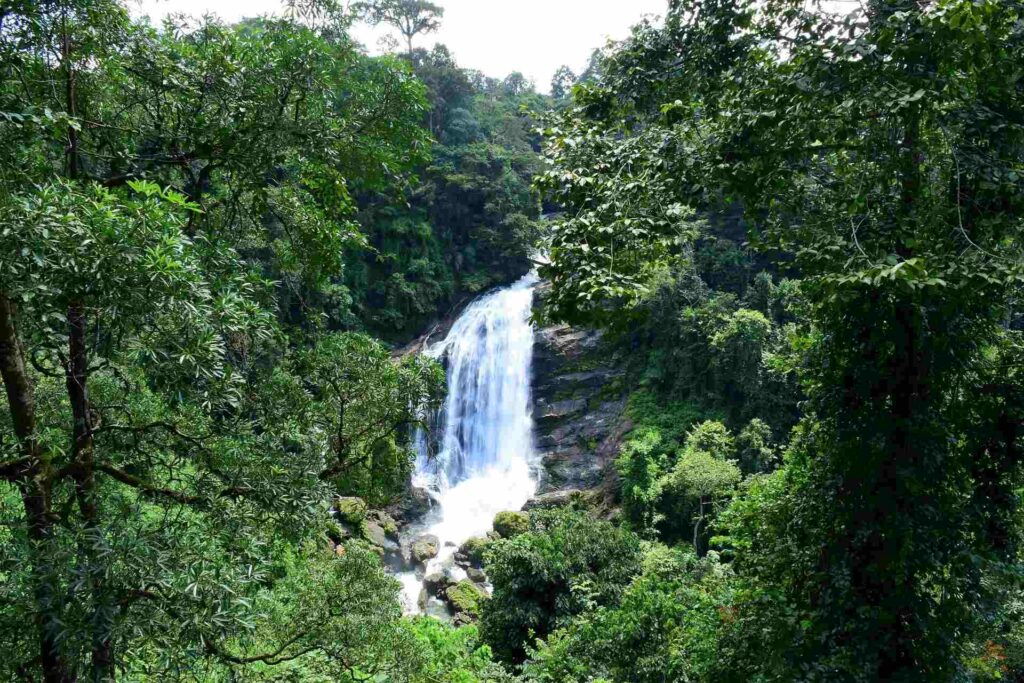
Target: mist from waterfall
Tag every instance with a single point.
(478, 460)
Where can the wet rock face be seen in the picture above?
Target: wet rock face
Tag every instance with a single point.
(579, 408)
(424, 548)
(411, 506)
(437, 583)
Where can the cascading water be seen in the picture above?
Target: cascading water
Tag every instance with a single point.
(483, 463)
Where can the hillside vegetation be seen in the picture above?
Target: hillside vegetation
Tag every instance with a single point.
(795, 226)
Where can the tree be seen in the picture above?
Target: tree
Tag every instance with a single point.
(516, 84)
(369, 404)
(666, 627)
(562, 82)
(565, 564)
(703, 478)
(410, 17)
(755, 450)
(876, 151)
(160, 469)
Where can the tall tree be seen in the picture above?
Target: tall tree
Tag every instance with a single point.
(562, 82)
(410, 17)
(163, 466)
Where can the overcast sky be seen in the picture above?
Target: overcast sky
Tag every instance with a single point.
(494, 36)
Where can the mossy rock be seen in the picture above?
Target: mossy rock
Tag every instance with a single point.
(351, 510)
(337, 533)
(437, 583)
(465, 597)
(424, 548)
(473, 550)
(381, 529)
(509, 524)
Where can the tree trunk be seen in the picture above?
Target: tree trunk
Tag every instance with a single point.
(34, 481)
(697, 527)
(84, 474)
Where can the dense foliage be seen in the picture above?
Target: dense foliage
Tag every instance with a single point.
(566, 563)
(876, 157)
(468, 221)
(799, 223)
(185, 389)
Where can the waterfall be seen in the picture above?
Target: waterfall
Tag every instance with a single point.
(486, 419)
(483, 434)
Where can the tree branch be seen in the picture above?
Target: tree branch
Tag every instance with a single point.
(157, 492)
(149, 489)
(14, 469)
(275, 657)
(138, 429)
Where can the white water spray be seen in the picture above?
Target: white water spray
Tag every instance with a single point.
(485, 433)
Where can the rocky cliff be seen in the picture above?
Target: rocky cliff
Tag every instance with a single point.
(579, 409)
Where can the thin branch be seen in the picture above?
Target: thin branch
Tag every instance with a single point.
(139, 429)
(157, 492)
(275, 657)
(148, 489)
(14, 469)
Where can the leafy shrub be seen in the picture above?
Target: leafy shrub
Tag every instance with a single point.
(446, 654)
(565, 564)
(510, 523)
(666, 627)
(466, 597)
(473, 548)
(754, 448)
(712, 438)
(641, 464)
(673, 419)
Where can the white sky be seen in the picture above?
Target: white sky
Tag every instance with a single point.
(493, 36)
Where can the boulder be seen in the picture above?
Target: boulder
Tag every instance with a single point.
(351, 510)
(381, 530)
(471, 552)
(465, 598)
(386, 522)
(554, 499)
(462, 619)
(424, 548)
(476, 575)
(376, 534)
(337, 533)
(412, 506)
(509, 523)
(438, 583)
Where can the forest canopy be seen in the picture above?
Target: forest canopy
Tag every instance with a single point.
(191, 226)
(795, 229)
